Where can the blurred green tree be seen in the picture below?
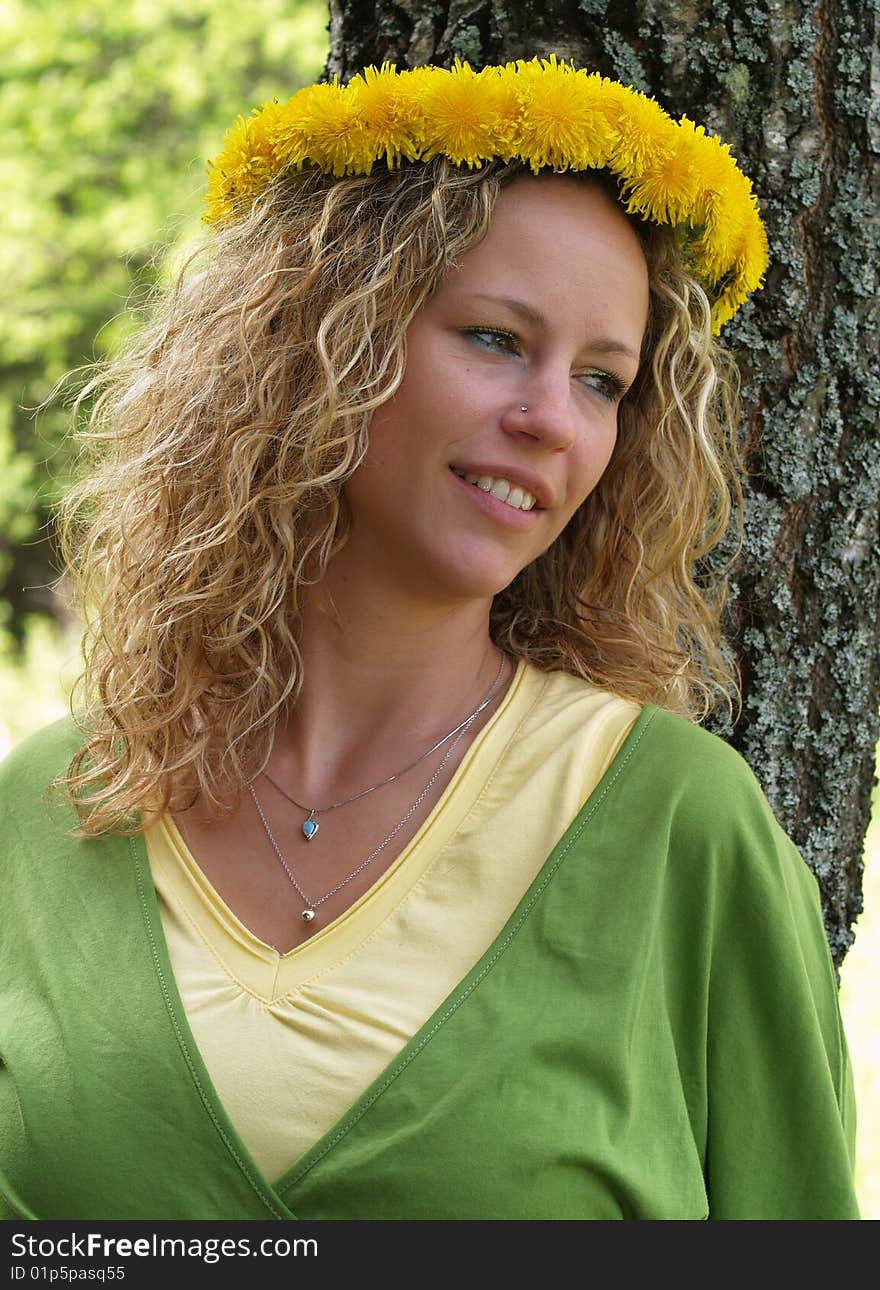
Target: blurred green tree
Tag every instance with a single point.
(107, 112)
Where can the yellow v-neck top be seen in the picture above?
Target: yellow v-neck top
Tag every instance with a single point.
(292, 1040)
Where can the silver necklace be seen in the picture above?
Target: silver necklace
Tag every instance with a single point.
(310, 825)
(309, 912)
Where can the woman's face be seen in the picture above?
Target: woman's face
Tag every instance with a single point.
(548, 311)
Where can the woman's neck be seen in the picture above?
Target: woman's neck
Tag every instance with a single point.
(382, 681)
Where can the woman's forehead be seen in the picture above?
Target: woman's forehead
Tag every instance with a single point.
(555, 236)
(559, 260)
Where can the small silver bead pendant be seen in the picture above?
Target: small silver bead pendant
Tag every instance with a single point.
(308, 915)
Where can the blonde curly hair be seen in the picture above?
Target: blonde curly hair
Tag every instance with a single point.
(218, 446)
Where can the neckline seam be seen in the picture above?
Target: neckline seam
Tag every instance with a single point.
(494, 771)
(235, 978)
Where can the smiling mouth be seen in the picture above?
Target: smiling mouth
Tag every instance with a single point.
(513, 495)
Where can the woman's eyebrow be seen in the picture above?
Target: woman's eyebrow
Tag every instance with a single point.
(601, 344)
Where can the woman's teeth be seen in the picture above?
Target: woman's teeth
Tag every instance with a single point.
(506, 492)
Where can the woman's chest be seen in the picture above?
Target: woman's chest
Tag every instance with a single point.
(285, 883)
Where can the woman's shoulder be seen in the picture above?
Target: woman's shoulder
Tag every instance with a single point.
(38, 822)
(28, 770)
(682, 794)
(41, 755)
(677, 749)
(557, 688)
(567, 707)
(659, 751)
(689, 763)
(702, 794)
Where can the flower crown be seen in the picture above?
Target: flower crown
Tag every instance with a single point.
(541, 112)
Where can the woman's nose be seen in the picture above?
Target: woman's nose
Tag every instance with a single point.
(545, 411)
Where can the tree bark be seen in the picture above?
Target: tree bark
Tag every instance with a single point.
(789, 86)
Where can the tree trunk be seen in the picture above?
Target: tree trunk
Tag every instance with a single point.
(788, 84)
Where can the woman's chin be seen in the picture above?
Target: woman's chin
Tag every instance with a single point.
(474, 585)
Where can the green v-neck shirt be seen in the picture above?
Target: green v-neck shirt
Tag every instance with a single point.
(653, 1035)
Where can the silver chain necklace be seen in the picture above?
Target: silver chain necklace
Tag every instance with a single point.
(308, 913)
(310, 825)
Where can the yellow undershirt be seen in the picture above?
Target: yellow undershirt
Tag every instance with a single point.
(292, 1040)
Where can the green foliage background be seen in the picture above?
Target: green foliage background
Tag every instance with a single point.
(108, 112)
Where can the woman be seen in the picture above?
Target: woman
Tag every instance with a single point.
(406, 884)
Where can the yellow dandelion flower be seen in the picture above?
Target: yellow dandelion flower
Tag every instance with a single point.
(463, 115)
(715, 251)
(332, 124)
(717, 173)
(723, 310)
(241, 171)
(285, 129)
(642, 131)
(732, 217)
(733, 293)
(564, 123)
(386, 126)
(724, 221)
(745, 271)
(531, 70)
(754, 254)
(668, 187)
(510, 111)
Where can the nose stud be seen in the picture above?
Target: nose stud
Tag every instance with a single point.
(523, 408)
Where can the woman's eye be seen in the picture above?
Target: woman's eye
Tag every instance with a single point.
(605, 383)
(496, 337)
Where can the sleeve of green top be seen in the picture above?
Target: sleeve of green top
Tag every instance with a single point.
(780, 1101)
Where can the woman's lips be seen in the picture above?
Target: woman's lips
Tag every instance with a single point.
(510, 516)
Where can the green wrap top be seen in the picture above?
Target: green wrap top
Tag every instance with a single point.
(653, 1035)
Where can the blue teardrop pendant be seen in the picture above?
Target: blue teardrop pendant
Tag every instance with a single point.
(310, 828)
